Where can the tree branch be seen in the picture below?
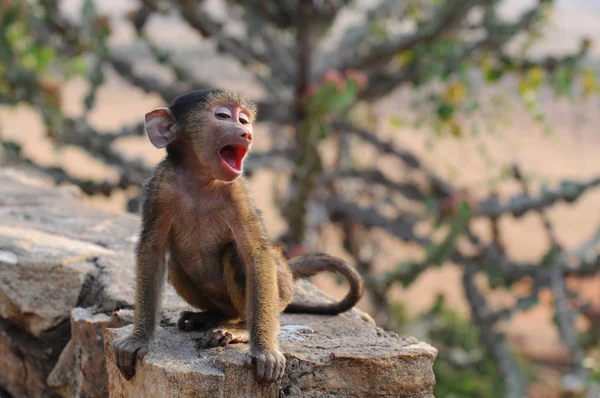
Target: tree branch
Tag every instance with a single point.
(439, 187)
(450, 13)
(568, 191)
(492, 339)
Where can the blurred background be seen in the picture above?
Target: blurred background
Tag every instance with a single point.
(447, 149)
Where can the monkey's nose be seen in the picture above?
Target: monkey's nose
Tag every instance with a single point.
(247, 136)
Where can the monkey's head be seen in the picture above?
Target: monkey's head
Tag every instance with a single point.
(214, 126)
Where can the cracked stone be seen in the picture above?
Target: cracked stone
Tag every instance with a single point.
(332, 356)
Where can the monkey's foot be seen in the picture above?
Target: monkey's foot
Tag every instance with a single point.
(190, 321)
(221, 337)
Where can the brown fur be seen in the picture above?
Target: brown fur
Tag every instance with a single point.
(220, 258)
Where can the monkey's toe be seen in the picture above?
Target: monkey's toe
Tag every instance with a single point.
(215, 338)
(221, 337)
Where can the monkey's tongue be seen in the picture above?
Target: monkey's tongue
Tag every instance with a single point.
(233, 155)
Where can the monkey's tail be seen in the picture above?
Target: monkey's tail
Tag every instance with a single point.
(311, 264)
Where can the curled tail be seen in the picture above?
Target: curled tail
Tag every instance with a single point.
(311, 264)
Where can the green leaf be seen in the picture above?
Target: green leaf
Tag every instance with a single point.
(563, 80)
(322, 130)
(79, 65)
(345, 99)
(445, 111)
(320, 100)
(379, 30)
(45, 56)
(396, 122)
(493, 74)
(10, 14)
(437, 254)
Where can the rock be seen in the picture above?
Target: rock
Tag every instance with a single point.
(30, 203)
(326, 356)
(84, 355)
(43, 280)
(57, 254)
(26, 360)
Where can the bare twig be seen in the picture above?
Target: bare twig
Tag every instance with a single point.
(373, 176)
(147, 83)
(440, 188)
(568, 191)
(208, 27)
(371, 218)
(541, 211)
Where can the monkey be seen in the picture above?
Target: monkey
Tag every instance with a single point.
(201, 227)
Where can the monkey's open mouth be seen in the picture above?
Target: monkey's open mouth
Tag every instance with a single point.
(233, 156)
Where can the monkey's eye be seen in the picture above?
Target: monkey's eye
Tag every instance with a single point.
(223, 112)
(243, 119)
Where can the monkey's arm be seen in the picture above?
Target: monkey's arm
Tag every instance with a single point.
(150, 272)
(262, 299)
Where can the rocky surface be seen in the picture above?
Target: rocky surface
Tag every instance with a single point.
(67, 274)
(57, 254)
(81, 369)
(326, 356)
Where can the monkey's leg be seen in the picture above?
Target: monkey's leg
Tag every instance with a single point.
(220, 336)
(235, 277)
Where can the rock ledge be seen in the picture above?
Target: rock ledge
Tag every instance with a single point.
(326, 356)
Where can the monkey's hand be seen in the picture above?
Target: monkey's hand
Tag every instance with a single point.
(127, 350)
(270, 364)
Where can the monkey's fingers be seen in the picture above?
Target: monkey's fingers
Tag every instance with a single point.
(250, 361)
(141, 353)
(128, 372)
(126, 352)
(270, 365)
(261, 365)
(280, 368)
(121, 361)
(215, 338)
(204, 340)
(226, 339)
(278, 362)
(127, 365)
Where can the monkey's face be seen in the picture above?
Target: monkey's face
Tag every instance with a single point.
(225, 140)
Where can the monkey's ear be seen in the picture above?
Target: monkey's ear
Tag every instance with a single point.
(160, 127)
